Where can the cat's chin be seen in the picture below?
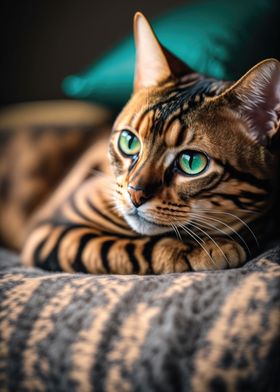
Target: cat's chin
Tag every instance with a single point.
(145, 227)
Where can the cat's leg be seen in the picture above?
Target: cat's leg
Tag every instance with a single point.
(171, 255)
(83, 232)
(81, 248)
(217, 255)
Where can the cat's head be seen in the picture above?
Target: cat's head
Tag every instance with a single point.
(185, 144)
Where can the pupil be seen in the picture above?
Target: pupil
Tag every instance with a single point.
(191, 161)
(130, 141)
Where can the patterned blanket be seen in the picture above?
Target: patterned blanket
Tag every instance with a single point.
(209, 331)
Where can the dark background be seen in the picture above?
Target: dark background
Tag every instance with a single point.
(43, 41)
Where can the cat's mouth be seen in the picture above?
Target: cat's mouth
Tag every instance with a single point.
(144, 226)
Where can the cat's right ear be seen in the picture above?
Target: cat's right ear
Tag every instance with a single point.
(154, 63)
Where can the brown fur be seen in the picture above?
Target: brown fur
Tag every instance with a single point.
(92, 223)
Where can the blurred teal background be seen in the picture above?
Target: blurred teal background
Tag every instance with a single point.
(221, 39)
(42, 42)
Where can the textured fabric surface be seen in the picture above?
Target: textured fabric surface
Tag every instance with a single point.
(209, 331)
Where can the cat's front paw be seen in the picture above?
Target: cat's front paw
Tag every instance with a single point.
(220, 254)
(170, 255)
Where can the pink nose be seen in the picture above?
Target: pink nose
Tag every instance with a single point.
(137, 195)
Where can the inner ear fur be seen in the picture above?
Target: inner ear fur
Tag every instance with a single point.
(256, 97)
(154, 63)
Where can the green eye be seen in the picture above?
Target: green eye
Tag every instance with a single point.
(129, 144)
(192, 162)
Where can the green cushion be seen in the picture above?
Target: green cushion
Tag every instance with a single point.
(219, 38)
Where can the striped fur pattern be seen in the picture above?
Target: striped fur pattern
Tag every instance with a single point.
(34, 158)
(39, 143)
(218, 217)
(145, 214)
(216, 331)
(86, 225)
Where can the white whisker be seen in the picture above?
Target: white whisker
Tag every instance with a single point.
(191, 234)
(178, 235)
(238, 218)
(211, 239)
(206, 219)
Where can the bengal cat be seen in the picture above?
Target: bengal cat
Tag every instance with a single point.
(189, 186)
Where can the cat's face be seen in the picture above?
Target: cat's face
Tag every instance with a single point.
(182, 149)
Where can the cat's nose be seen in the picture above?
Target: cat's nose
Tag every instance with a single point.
(137, 195)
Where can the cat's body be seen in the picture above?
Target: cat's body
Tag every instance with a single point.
(191, 180)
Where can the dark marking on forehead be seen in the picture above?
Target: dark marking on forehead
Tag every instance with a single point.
(180, 100)
(181, 136)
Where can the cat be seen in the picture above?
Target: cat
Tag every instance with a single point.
(190, 180)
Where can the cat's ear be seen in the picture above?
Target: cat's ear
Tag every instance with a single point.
(257, 95)
(154, 63)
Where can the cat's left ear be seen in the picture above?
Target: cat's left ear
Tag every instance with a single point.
(257, 97)
(154, 63)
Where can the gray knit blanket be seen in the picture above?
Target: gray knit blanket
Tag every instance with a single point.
(204, 331)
